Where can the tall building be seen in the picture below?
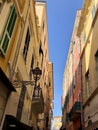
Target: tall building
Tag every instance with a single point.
(24, 99)
(87, 31)
(71, 107)
(18, 53)
(57, 122)
(47, 67)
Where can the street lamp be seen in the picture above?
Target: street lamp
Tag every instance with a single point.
(36, 74)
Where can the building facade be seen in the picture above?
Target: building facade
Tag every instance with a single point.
(23, 47)
(46, 65)
(57, 122)
(87, 32)
(71, 111)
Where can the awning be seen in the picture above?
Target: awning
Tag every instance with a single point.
(6, 81)
(93, 126)
(12, 123)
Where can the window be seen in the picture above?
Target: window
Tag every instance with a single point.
(73, 82)
(43, 26)
(1, 5)
(40, 49)
(32, 63)
(49, 81)
(26, 46)
(79, 68)
(74, 78)
(74, 43)
(84, 38)
(41, 53)
(71, 51)
(96, 60)
(67, 117)
(79, 97)
(7, 33)
(87, 83)
(93, 11)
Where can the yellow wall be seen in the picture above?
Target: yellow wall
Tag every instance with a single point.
(90, 28)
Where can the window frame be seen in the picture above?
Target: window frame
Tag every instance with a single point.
(96, 60)
(8, 30)
(87, 76)
(26, 44)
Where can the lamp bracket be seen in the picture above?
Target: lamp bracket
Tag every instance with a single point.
(19, 83)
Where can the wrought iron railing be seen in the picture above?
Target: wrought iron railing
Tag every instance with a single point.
(38, 97)
(75, 111)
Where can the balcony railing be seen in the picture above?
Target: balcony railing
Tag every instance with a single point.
(75, 111)
(38, 101)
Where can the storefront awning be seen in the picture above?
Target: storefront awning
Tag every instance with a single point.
(6, 81)
(93, 126)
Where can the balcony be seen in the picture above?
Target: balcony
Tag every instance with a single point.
(75, 111)
(37, 101)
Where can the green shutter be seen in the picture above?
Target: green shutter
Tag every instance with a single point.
(4, 41)
(67, 117)
(11, 21)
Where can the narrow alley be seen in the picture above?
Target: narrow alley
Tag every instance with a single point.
(34, 94)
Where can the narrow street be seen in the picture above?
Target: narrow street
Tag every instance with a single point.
(48, 74)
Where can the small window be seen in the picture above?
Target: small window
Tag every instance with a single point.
(74, 80)
(71, 51)
(74, 43)
(41, 53)
(43, 26)
(87, 83)
(1, 5)
(93, 11)
(96, 59)
(26, 46)
(79, 97)
(79, 68)
(32, 63)
(84, 38)
(40, 49)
